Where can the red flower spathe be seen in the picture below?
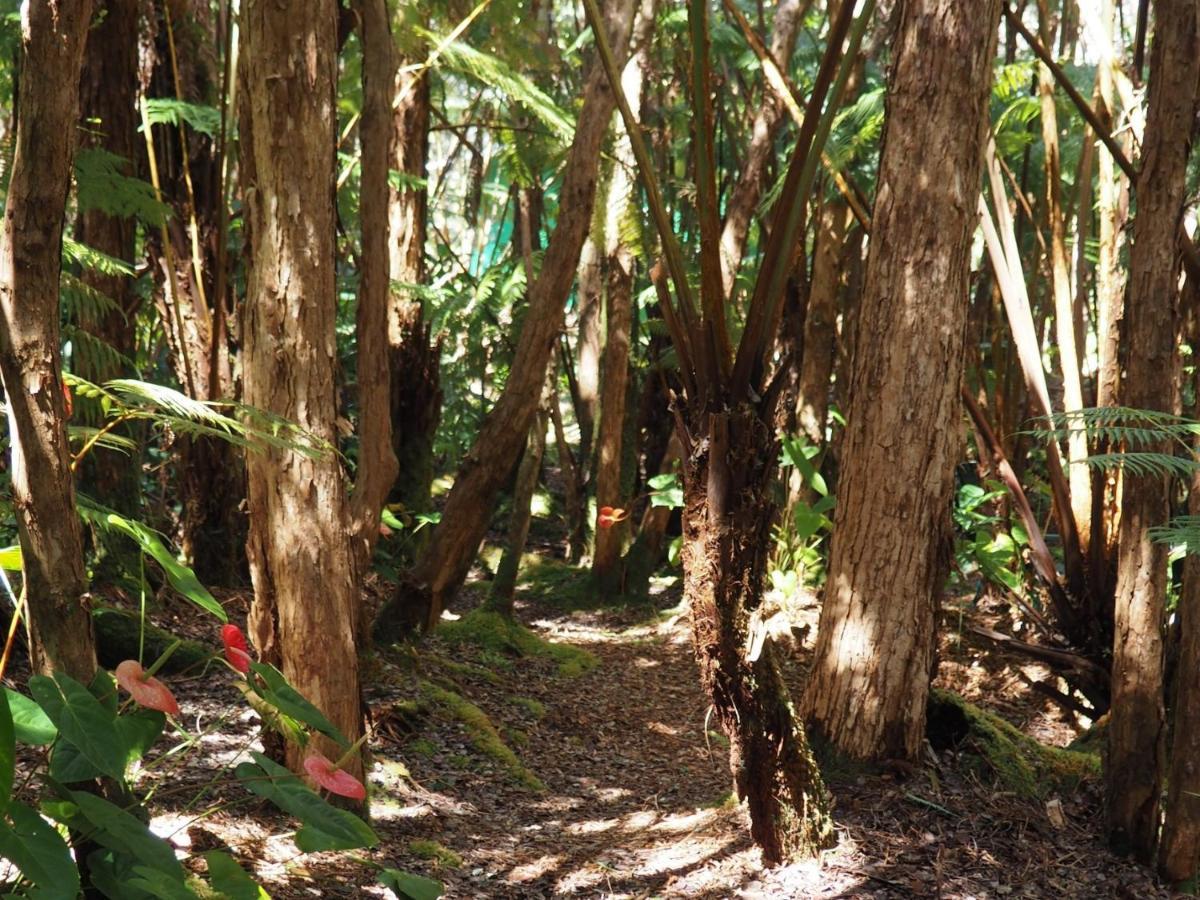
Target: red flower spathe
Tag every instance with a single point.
(236, 649)
(607, 516)
(146, 690)
(333, 779)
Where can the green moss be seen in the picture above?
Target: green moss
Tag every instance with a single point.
(516, 736)
(717, 739)
(1016, 761)
(421, 747)
(432, 850)
(493, 632)
(117, 640)
(490, 556)
(555, 583)
(484, 736)
(535, 708)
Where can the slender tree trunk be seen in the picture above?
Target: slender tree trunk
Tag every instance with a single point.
(767, 119)
(727, 524)
(1179, 851)
(820, 322)
(377, 467)
(1136, 730)
(108, 102)
(500, 597)
(444, 565)
(891, 548)
(415, 395)
(60, 626)
(305, 585)
(622, 190)
(590, 293)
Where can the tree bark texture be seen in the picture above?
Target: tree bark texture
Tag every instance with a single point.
(377, 467)
(305, 588)
(728, 473)
(444, 564)
(891, 543)
(1134, 771)
(60, 626)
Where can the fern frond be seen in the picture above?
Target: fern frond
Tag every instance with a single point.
(94, 354)
(169, 111)
(83, 303)
(101, 184)
(1118, 425)
(79, 435)
(1182, 530)
(1145, 464)
(92, 259)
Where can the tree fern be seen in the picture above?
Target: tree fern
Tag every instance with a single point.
(101, 184)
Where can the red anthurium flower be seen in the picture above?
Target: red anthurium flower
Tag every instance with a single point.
(333, 779)
(146, 690)
(608, 516)
(236, 649)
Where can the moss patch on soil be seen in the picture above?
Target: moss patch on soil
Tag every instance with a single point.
(117, 640)
(484, 736)
(440, 856)
(493, 632)
(1016, 761)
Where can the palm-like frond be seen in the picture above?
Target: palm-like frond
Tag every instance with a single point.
(101, 184)
(1118, 426)
(1145, 464)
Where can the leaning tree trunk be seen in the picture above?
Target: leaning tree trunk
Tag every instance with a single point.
(1134, 769)
(305, 589)
(728, 475)
(60, 627)
(890, 551)
(445, 562)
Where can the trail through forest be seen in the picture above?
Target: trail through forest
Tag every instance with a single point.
(616, 789)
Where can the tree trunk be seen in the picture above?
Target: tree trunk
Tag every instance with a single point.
(444, 565)
(619, 268)
(891, 548)
(727, 535)
(60, 626)
(767, 119)
(108, 91)
(416, 395)
(377, 467)
(590, 294)
(305, 586)
(1136, 730)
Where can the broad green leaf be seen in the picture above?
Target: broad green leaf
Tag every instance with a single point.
(10, 558)
(82, 721)
(408, 886)
(182, 579)
(138, 728)
(113, 875)
(8, 753)
(277, 692)
(116, 829)
(38, 851)
(324, 827)
(231, 879)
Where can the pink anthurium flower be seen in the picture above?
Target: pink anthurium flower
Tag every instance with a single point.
(333, 779)
(236, 649)
(145, 689)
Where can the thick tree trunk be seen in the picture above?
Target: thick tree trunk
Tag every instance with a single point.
(1134, 769)
(891, 547)
(727, 535)
(767, 119)
(416, 395)
(619, 270)
(377, 467)
(444, 565)
(60, 626)
(305, 586)
(108, 103)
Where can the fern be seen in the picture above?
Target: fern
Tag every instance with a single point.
(92, 259)
(101, 184)
(90, 353)
(169, 111)
(1181, 531)
(1145, 464)
(80, 302)
(1119, 426)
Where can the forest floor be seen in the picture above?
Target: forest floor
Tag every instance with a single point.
(511, 768)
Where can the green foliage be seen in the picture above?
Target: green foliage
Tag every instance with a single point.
(408, 886)
(102, 185)
(275, 690)
(432, 850)
(122, 635)
(988, 547)
(170, 111)
(40, 854)
(798, 556)
(231, 879)
(83, 722)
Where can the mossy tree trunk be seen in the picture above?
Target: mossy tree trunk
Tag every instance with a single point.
(728, 472)
(60, 626)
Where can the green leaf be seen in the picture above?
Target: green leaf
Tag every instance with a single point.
(30, 723)
(408, 886)
(182, 579)
(10, 558)
(82, 721)
(285, 698)
(8, 752)
(325, 827)
(231, 879)
(169, 111)
(116, 829)
(38, 851)
(138, 728)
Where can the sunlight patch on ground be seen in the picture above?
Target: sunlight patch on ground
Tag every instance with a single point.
(678, 854)
(529, 871)
(677, 822)
(660, 728)
(595, 826)
(172, 828)
(643, 662)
